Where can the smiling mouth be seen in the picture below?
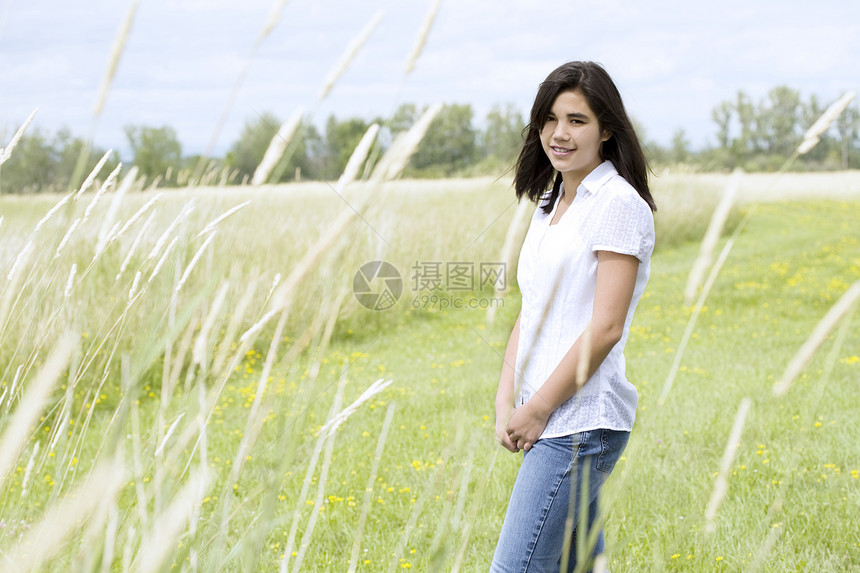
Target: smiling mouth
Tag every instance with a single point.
(558, 149)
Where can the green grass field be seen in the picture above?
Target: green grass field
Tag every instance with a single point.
(164, 440)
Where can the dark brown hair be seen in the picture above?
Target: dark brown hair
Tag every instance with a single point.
(534, 172)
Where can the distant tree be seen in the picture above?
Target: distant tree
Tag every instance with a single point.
(769, 133)
(246, 153)
(680, 151)
(449, 144)
(655, 153)
(404, 117)
(778, 121)
(722, 116)
(848, 126)
(809, 114)
(32, 166)
(71, 151)
(503, 135)
(41, 162)
(297, 162)
(155, 150)
(341, 139)
(747, 141)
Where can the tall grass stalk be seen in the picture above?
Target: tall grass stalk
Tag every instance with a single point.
(712, 236)
(583, 547)
(357, 158)
(33, 402)
(691, 323)
(764, 550)
(210, 226)
(115, 54)
(48, 537)
(348, 55)
(423, 498)
(108, 226)
(138, 214)
(201, 343)
(165, 236)
(6, 152)
(513, 237)
(110, 538)
(65, 240)
(335, 422)
(273, 18)
(368, 488)
(104, 188)
(70, 282)
(421, 38)
(11, 290)
(398, 155)
(276, 148)
(52, 212)
(85, 186)
(133, 249)
(158, 543)
(164, 256)
(235, 322)
(309, 473)
(25, 481)
(450, 520)
(818, 336)
(813, 135)
(473, 514)
(254, 422)
(721, 485)
(321, 481)
(194, 260)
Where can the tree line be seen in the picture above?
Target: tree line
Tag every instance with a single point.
(762, 135)
(753, 135)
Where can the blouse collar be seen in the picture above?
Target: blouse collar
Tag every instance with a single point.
(598, 177)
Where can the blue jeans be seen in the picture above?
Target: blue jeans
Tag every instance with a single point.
(532, 536)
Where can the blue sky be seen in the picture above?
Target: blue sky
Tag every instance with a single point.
(673, 61)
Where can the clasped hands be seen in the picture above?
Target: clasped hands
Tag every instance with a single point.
(520, 429)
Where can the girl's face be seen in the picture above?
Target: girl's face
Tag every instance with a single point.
(572, 136)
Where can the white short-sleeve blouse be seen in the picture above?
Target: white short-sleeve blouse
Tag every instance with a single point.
(557, 273)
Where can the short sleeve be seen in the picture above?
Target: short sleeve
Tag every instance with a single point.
(625, 226)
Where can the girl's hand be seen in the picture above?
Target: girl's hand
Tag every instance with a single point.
(502, 434)
(526, 425)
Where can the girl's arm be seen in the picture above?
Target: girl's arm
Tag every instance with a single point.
(616, 279)
(505, 393)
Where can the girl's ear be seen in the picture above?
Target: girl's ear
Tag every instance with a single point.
(605, 136)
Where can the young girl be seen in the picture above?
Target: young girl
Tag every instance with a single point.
(582, 269)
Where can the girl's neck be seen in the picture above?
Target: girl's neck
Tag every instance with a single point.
(572, 179)
(571, 183)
